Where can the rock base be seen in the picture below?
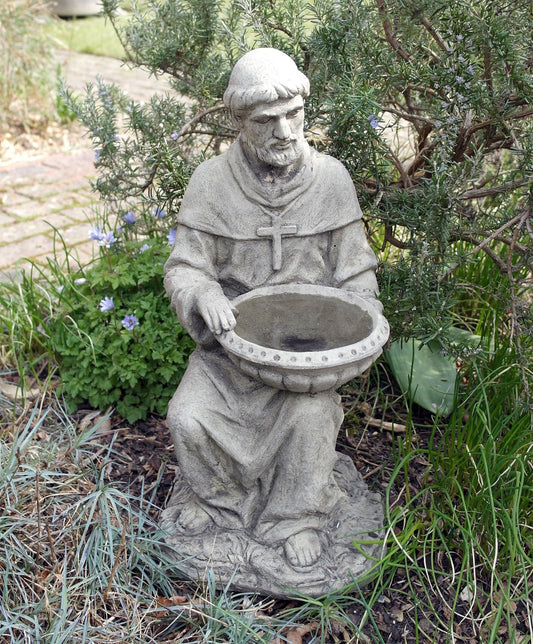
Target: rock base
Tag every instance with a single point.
(248, 565)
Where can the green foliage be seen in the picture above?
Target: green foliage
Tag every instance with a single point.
(427, 373)
(486, 462)
(427, 104)
(103, 362)
(57, 314)
(424, 374)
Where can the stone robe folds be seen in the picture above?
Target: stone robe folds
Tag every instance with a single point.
(254, 457)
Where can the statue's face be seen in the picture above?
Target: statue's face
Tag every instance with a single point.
(274, 131)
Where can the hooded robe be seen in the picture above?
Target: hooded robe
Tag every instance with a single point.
(258, 458)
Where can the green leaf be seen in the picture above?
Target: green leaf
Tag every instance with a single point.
(424, 374)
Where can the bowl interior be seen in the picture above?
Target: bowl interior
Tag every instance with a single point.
(302, 322)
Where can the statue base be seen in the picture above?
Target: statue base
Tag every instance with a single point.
(246, 564)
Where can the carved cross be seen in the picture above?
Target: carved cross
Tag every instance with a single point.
(276, 232)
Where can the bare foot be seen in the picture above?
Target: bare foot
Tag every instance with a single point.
(193, 518)
(303, 549)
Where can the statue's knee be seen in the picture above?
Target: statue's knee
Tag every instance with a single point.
(187, 433)
(317, 406)
(174, 413)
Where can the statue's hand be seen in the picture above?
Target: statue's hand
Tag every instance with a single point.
(217, 312)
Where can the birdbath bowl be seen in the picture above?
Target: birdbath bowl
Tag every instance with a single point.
(304, 338)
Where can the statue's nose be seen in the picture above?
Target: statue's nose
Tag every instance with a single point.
(282, 129)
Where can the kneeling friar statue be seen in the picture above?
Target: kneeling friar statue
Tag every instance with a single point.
(261, 496)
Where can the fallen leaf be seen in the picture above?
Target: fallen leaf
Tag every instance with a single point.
(294, 635)
(172, 601)
(87, 419)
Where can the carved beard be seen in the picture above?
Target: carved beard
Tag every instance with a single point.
(277, 158)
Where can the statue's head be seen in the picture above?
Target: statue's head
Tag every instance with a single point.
(262, 76)
(265, 96)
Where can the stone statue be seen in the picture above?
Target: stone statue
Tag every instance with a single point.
(261, 496)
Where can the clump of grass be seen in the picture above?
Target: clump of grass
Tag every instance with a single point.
(80, 556)
(24, 75)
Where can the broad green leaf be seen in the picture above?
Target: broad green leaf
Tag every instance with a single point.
(424, 374)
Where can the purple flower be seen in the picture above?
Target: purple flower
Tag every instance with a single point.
(130, 322)
(97, 154)
(171, 236)
(373, 120)
(129, 218)
(159, 213)
(96, 233)
(144, 248)
(174, 135)
(106, 304)
(107, 239)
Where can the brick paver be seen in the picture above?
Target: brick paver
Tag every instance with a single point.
(53, 191)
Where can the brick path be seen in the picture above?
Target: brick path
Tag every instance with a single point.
(53, 191)
(36, 195)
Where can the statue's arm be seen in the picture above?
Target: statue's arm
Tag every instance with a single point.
(191, 282)
(354, 262)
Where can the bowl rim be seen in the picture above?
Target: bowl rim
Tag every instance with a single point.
(308, 360)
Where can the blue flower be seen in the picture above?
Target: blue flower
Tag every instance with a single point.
(107, 239)
(175, 135)
(130, 322)
(97, 154)
(144, 248)
(171, 236)
(373, 120)
(129, 217)
(159, 213)
(96, 233)
(107, 304)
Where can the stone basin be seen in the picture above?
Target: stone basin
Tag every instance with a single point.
(304, 338)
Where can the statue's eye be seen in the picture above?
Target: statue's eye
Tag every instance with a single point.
(293, 114)
(262, 119)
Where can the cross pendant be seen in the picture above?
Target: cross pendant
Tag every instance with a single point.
(276, 232)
